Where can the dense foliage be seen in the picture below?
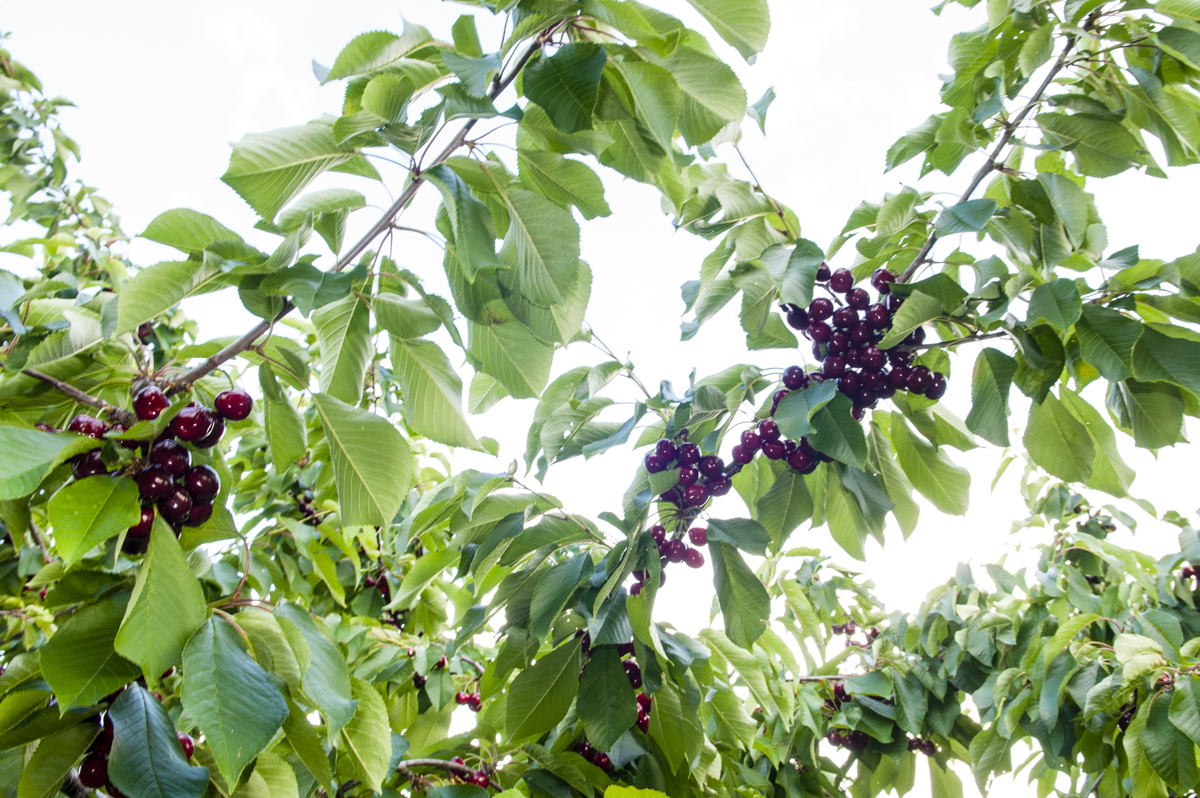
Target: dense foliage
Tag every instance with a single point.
(205, 594)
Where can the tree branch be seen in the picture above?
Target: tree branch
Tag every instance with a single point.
(185, 380)
(994, 157)
(115, 413)
(944, 344)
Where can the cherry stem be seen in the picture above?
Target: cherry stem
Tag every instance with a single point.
(115, 413)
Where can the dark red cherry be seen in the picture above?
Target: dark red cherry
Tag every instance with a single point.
(893, 303)
(900, 357)
(676, 549)
(119, 429)
(476, 703)
(90, 426)
(878, 317)
(793, 378)
(822, 273)
(845, 318)
(636, 589)
(658, 534)
(144, 525)
(154, 483)
(872, 357)
(88, 464)
(820, 309)
(841, 280)
(193, 424)
(801, 460)
(797, 319)
(93, 772)
(875, 380)
(652, 463)
(688, 454)
(202, 482)
(918, 380)
(916, 337)
(213, 438)
(234, 404)
(838, 342)
(644, 702)
(199, 514)
(860, 333)
(695, 495)
(671, 497)
(849, 383)
(149, 403)
(819, 331)
(694, 558)
(633, 672)
(768, 430)
(864, 397)
(834, 366)
(688, 475)
(858, 298)
(602, 761)
(774, 450)
(177, 507)
(665, 450)
(882, 280)
(172, 456)
(898, 377)
(698, 535)
(751, 440)
(718, 486)
(937, 386)
(710, 466)
(186, 743)
(480, 779)
(643, 724)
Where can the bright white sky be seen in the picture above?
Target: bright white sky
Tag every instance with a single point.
(163, 87)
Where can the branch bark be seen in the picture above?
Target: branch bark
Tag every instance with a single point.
(115, 413)
(247, 341)
(994, 157)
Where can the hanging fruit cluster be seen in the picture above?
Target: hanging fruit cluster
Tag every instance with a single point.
(700, 476)
(633, 672)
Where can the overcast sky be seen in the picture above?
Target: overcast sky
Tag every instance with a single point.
(162, 88)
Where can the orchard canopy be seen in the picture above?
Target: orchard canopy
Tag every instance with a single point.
(250, 567)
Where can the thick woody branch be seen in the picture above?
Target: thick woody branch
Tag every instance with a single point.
(115, 413)
(994, 159)
(247, 341)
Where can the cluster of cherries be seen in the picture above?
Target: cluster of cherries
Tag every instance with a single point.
(700, 476)
(672, 550)
(633, 672)
(479, 778)
(845, 340)
(93, 770)
(472, 701)
(926, 747)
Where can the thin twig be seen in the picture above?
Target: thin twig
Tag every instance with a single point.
(758, 184)
(37, 536)
(115, 413)
(944, 344)
(994, 157)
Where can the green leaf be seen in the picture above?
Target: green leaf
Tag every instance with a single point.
(325, 210)
(744, 24)
(277, 775)
(89, 511)
(912, 702)
(540, 696)
(544, 241)
(309, 287)
(930, 470)
(146, 760)
(303, 738)
(785, 506)
(1106, 339)
(668, 726)
(656, 98)
(375, 50)
(837, 434)
(916, 310)
(406, 318)
(79, 661)
(843, 515)
(965, 217)
(511, 354)
(166, 607)
(282, 423)
(712, 95)
(1110, 473)
(563, 181)
(367, 739)
(605, 704)
(1170, 752)
(268, 169)
(155, 289)
(991, 382)
(470, 219)
(344, 336)
(555, 589)
(1185, 708)
(1153, 412)
(49, 765)
(796, 410)
(432, 392)
(372, 464)
(1159, 357)
(798, 277)
(30, 454)
(326, 676)
(234, 701)
(187, 230)
(567, 84)
(743, 533)
(1101, 148)
(1036, 50)
(1059, 443)
(1057, 303)
(745, 604)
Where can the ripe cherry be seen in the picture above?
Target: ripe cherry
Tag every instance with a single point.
(872, 357)
(875, 380)
(841, 280)
(658, 534)
(88, 464)
(418, 681)
(916, 337)
(665, 450)
(898, 377)
(633, 673)
(882, 280)
(741, 455)
(462, 698)
(774, 450)
(918, 380)
(688, 454)
(636, 589)
(177, 507)
(93, 772)
(688, 475)
(186, 743)
(698, 535)
(144, 525)
(864, 397)
(877, 316)
(199, 514)
(710, 466)
(172, 456)
(144, 331)
(858, 298)
(900, 357)
(644, 701)
(652, 463)
(476, 702)
(676, 549)
(695, 495)
(480, 779)
(845, 318)
(643, 724)
(234, 404)
(694, 558)
(202, 482)
(834, 366)
(768, 430)
(860, 333)
(154, 483)
(777, 398)
(848, 383)
(751, 440)
(820, 309)
(838, 342)
(822, 273)
(819, 331)
(797, 319)
(802, 461)
(90, 426)
(937, 386)
(719, 486)
(213, 438)
(793, 378)
(149, 403)
(192, 423)
(602, 761)
(457, 760)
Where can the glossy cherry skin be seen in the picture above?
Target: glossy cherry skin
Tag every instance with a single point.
(845, 318)
(838, 342)
(202, 482)
(652, 463)
(919, 379)
(710, 466)
(688, 454)
(823, 273)
(768, 430)
(234, 404)
(849, 383)
(858, 298)
(695, 495)
(675, 550)
(878, 317)
(480, 779)
(741, 455)
(93, 772)
(665, 450)
(694, 558)
(149, 403)
(819, 332)
(853, 357)
(633, 672)
(602, 761)
(793, 378)
(875, 380)
(476, 702)
(774, 450)
(213, 438)
(893, 303)
(900, 357)
(177, 507)
(645, 701)
(719, 486)
(88, 464)
(90, 426)
(841, 280)
(797, 319)
(872, 357)
(751, 440)
(462, 699)
(820, 309)
(834, 366)
(916, 337)
(658, 534)
(860, 333)
(172, 456)
(193, 423)
(199, 514)
(144, 525)
(882, 280)
(186, 743)
(801, 460)
(643, 724)
(154, 483)
(937, 386)
(688, 475)
(864, 397)
(898, 377)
